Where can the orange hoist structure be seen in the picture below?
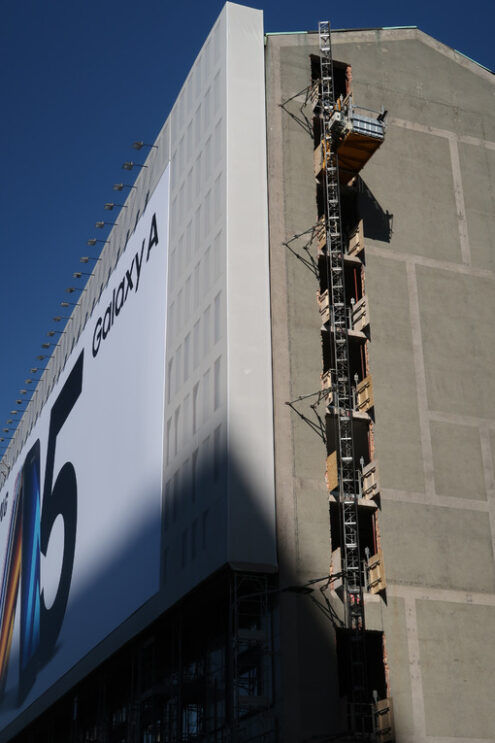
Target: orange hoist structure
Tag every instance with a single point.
(356, 135)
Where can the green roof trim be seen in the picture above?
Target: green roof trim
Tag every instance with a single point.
(284, 33)
(334, 30)
(472, 60)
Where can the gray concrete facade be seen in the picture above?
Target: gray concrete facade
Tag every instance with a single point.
(430, 285)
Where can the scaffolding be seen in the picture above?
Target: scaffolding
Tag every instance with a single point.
(201, 673)
(349, 136)
(342, 397)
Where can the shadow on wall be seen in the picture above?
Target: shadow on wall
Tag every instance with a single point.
(377, 223)
(232, 660)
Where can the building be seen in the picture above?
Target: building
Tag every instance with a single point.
(282, 526)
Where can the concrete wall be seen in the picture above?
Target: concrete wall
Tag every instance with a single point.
(431, 291)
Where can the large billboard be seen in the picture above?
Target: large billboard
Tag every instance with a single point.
(80, 510)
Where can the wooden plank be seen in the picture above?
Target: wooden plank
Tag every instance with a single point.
(332, 472)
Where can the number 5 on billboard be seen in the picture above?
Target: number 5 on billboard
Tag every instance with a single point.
(59, 499)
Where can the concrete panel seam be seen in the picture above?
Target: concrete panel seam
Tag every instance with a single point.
(419, 370)
(405, 496)
(476, 141)
(459, 201)
(489, 476)
(415, 670)
(415, 127)
(450, 596)
(453, 502)
(433, 739)
(463, 420)
(421, 260)
(445, 133)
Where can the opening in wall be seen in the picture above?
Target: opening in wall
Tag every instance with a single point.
(342, 75)
(361, 436)
(358, 368)
(353, 283)
(348, 209)
(376, 681)
(366, 530)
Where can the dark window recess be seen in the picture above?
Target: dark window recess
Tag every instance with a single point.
(339, 74)
(315, 67)
(367, 532)
(357, 357)
(360, 432)
(320, 199)
(357, 361)
(349, 210)
(375, 666)
(323, 271)
(367, 538)
(361, 443)
(339, 79)
(317, 131)
(335, 526)
(327, 351)
(353, 284)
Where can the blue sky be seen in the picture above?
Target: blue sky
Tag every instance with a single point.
(80, 81)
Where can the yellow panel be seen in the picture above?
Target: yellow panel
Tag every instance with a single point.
(354, 152)
(318, 160)
(364, 394)
(356, 240)
(371, 486)
(323, 306)
(321, 234)
(332, 472)
(384, 721)
(376, 573)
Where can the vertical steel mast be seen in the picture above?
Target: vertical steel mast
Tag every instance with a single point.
(353, 577)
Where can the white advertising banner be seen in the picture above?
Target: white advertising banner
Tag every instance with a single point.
(80, 512)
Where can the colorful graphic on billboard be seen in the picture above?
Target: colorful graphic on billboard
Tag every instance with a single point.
(80, 512)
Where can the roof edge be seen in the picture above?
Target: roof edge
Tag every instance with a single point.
(431, 41)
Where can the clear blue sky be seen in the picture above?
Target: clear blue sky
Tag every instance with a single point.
(79, 82)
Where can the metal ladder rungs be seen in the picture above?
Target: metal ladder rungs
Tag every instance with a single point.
(341, 383)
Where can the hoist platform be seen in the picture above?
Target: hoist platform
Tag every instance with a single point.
(356, 135)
